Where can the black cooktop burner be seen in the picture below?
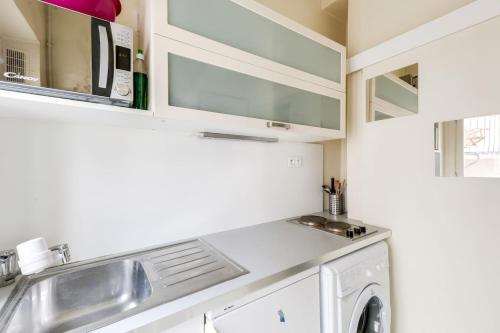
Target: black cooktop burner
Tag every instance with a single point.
(312, 220)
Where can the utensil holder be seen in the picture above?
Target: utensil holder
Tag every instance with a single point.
(336, 204)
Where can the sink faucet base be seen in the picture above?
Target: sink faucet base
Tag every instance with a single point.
(8, 267)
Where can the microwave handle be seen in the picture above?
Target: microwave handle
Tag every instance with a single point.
(103, 54)
(102, 58)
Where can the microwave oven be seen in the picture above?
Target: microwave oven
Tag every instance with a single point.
(52, 51)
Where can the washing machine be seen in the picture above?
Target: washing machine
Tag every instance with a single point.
(355, 292)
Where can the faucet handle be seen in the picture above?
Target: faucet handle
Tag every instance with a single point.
(63, 251)
(9, 268)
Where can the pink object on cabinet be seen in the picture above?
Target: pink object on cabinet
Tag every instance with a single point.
(104, 9)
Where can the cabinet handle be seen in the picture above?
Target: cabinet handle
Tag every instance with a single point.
(212, 135)
(271, 124)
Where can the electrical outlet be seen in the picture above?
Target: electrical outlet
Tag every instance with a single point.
(295, 162)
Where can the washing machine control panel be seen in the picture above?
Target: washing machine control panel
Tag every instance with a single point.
(356, 276)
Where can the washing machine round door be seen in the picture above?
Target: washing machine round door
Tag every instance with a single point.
(370, 312)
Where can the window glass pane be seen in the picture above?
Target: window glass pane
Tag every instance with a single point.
(482, 146)
(231, 24)
(196, 85)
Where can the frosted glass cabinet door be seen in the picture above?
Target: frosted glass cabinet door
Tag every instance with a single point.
(195, 84)
(266, 38)
(199, 86)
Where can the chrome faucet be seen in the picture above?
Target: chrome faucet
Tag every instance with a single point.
(63, 251)
(9, 268)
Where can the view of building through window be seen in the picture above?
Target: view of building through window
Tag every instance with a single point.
(482, 146)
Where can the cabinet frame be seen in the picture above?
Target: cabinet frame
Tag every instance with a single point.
(160, 25)
(209, 120)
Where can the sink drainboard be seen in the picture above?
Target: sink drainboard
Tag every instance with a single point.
(185, 268)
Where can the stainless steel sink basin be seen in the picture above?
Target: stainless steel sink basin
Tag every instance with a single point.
(69, 300)
(84, 296)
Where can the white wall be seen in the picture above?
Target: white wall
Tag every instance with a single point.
(373, 22)
(446, 231)
(105, 189)
(334, 152)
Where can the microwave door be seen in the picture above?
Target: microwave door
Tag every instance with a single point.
(102, 58)
(51, 51)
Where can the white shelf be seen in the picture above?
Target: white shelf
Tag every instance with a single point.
(28, 106)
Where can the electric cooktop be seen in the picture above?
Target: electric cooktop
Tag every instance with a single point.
(338, 226)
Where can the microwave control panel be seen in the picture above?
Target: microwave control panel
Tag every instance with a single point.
(123, 78)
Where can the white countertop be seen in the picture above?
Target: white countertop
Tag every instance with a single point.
(269, 251)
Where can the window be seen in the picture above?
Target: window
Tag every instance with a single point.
(482, 146)
(15, 62)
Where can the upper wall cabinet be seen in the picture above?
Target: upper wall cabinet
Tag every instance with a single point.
(218, 93)
(249, 32)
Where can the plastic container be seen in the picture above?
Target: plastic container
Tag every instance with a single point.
(46, 260)
(34, 256)
(104, 9)
(29, 250)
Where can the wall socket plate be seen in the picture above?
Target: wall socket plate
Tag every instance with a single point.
(295, 162)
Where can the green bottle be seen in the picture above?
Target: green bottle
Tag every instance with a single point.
(140, 82)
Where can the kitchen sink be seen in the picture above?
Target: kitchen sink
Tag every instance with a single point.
(69, 300)
(84, 296)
